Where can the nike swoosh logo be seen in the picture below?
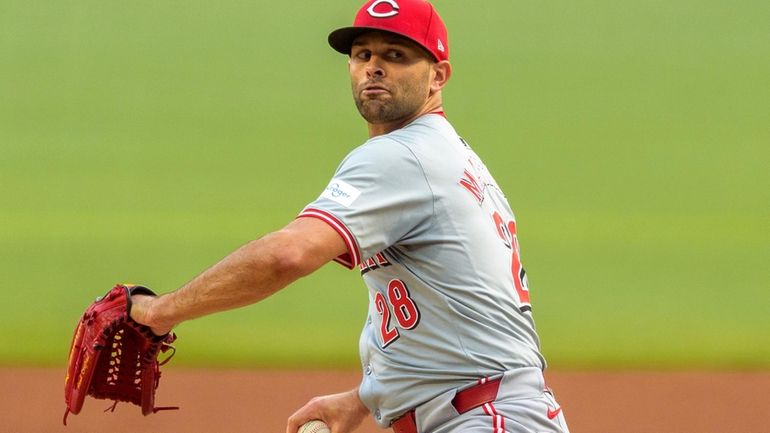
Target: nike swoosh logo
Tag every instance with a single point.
(553, 413)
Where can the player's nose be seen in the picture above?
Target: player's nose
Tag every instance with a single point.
(374, 69)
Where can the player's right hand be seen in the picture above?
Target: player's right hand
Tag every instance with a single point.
(342, 412)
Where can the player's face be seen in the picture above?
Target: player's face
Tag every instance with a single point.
(390, 77)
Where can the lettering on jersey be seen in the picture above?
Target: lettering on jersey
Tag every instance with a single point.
(378, 261)
(471, 183)
(341, 192)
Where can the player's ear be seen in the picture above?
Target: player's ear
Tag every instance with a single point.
(442, 72)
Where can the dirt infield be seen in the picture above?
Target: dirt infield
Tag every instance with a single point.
(260, 401)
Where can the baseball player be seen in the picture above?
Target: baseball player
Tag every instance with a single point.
(449, 344)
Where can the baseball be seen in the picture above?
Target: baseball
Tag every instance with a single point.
(314, 426)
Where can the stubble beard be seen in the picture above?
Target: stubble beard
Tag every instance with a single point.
(402, 103)
(384, 110)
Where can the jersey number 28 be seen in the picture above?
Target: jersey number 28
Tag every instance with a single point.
(404, 310)
(507, 233)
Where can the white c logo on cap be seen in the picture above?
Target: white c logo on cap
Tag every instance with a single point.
(376, 14)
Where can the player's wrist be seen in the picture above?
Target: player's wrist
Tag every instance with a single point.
(160, 323)
(148, 311)
(357, 403)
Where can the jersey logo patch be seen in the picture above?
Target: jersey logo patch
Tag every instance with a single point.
(341, 192)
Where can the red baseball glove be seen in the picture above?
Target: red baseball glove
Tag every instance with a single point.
(113, 357)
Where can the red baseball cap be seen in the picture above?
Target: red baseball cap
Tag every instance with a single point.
(414, 19)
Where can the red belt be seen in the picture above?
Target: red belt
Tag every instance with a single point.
(464, 401)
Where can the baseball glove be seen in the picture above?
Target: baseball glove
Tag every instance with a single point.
(113, 357)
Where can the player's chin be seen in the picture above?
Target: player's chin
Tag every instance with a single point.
(373, 110)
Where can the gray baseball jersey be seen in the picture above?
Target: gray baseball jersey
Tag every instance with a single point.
(435, 240)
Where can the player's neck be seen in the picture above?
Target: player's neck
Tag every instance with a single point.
(377, 129)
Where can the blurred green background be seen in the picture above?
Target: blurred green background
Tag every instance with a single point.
(142, 141)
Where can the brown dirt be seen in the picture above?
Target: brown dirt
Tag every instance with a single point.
(260, 402)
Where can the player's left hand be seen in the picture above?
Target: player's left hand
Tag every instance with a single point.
(140, 312)
(342, 412)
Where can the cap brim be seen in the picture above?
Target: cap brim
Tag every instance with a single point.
(342, 39)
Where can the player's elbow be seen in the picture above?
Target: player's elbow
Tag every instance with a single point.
(292, 262)
(291, 258)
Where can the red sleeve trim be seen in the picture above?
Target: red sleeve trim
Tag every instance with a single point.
(352, 258)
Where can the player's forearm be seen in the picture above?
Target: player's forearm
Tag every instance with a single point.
(248, 275)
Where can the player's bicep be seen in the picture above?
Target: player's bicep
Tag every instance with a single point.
(320, 243)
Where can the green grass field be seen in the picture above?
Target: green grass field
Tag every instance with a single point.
(143, 141)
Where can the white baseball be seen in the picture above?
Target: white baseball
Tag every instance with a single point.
(314, 426)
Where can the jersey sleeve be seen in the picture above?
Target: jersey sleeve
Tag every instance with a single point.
(379, 196)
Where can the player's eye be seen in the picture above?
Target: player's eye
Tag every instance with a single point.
(362, 55)
(395, 55)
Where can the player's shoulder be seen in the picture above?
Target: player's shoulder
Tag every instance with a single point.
(429, 129)
(427, 135)
(400, 142)
(383, 153)
(423, 139)
(381, 148)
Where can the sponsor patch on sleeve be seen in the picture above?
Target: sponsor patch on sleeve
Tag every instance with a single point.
(341, 192)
